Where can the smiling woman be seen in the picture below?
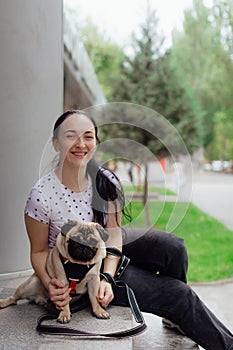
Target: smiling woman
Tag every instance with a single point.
(69, 192)
(75, 141)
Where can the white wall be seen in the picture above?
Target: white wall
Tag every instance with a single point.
(31, 98)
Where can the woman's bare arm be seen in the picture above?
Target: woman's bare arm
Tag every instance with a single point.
(38, 236)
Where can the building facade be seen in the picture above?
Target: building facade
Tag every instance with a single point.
(37, 77)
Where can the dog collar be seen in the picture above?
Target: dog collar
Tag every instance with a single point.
(74, 272)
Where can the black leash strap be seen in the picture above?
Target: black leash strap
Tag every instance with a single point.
(60, 330)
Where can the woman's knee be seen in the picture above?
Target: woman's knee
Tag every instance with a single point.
(161, 295)
(181, 251)
(171, 243)
(177, 265)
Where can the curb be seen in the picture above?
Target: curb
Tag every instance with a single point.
(212, 283)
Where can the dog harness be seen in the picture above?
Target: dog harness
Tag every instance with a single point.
(74, 273)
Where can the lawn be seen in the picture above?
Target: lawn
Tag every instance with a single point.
(209, 242)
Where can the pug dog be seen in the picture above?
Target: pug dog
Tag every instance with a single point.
(78, 244)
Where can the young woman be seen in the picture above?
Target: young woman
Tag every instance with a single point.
(81, 190)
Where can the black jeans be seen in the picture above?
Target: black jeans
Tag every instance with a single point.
(157, 275)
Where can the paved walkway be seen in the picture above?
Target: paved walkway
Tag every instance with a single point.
(213, 193)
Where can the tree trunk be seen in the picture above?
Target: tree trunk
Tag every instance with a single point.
(145, 198)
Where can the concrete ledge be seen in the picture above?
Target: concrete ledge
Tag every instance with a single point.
(120, 320)
(158, 337)
(18, 328)
(16, 274)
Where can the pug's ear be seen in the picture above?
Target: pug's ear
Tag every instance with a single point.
(103, 233)
(67, 227)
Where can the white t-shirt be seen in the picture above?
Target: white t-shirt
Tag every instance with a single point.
(52, 203)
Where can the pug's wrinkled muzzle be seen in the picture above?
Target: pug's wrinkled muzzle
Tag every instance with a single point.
(82, 252)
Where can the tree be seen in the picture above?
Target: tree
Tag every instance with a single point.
(222, 145)
(194, 63)
(222, 18)
(148, 79)
(201, 58)
(105, 55)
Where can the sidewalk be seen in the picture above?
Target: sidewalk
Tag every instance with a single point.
(18, 329)
(18, 323)
(18, 326)
(217, 296)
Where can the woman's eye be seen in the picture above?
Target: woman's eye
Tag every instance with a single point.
(70, 136)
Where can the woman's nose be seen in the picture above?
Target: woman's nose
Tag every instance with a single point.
(80, 142)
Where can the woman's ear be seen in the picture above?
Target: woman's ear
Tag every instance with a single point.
(55, 145)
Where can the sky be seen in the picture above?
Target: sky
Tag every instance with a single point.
(119, 18)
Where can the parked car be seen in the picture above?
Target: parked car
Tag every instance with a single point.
(207, 167)
(217, 165)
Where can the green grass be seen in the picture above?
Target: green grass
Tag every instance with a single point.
(209, 242)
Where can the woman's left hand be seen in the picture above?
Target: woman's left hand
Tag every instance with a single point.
(105, 293)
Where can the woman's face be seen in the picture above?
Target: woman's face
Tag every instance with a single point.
(76, 141)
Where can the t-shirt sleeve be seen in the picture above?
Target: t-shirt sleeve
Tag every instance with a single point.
(36, 207)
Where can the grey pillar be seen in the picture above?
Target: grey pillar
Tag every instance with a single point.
(31, 98)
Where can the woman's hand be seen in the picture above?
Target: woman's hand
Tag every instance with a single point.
(105, 293)
(59, 294)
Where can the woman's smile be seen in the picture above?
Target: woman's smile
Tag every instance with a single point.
(79, 154)
(76, 140)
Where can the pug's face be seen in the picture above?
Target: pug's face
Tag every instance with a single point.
(83, 240)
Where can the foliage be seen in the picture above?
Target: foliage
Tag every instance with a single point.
(222, 146)
(201, 58)
(148, 79)
(192, 60)
(190, 84)
(105, 55)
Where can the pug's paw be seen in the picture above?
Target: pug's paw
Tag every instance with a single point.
(6, 302)
(99, 312)
(64, 316)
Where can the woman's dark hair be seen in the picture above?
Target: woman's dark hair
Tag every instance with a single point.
(68, 113)
(104, 190)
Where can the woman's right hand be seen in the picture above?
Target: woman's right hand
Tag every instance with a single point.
(59, 294)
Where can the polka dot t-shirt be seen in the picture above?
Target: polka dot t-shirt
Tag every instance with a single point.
(52, 203)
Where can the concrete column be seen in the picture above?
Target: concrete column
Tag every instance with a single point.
(31, 98)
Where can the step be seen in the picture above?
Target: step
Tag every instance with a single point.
(158, 337)
(121, 319)
(18, 328)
